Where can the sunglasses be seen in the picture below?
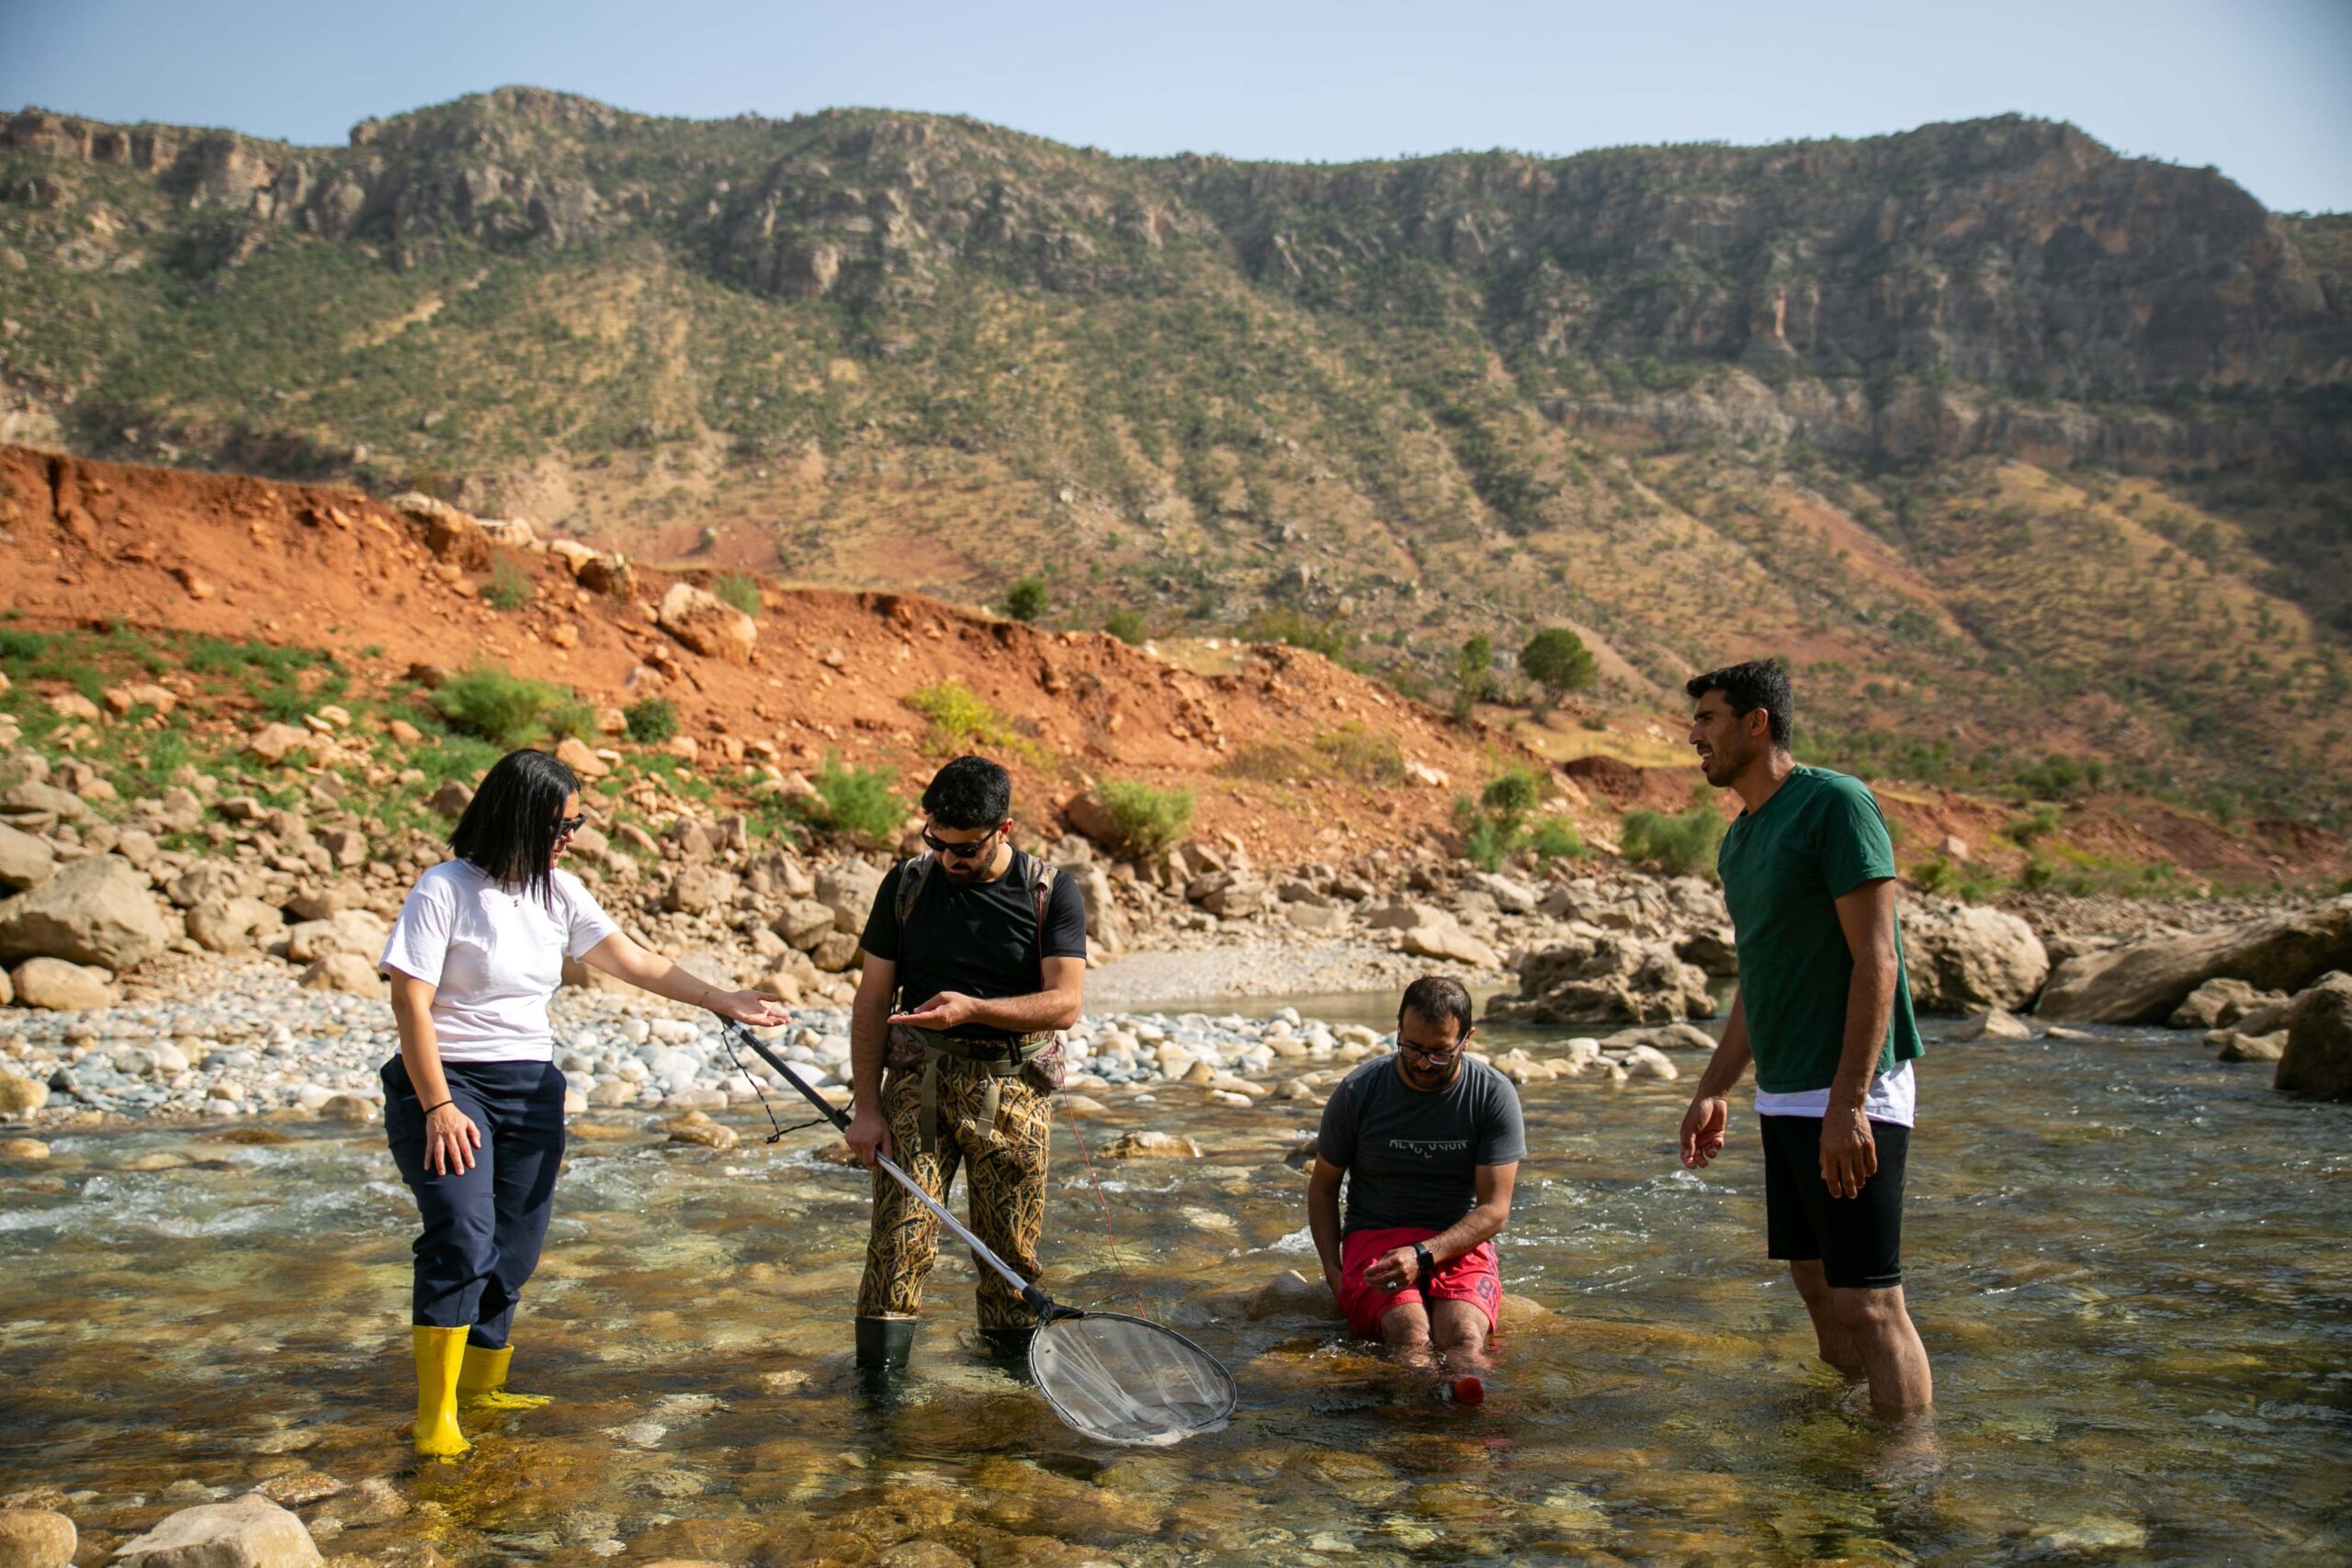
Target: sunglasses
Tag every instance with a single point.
(567, 826)
(957, 851)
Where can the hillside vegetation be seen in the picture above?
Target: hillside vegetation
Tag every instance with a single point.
(2025, 454)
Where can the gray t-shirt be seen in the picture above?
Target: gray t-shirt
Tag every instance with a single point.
(1412, 1158)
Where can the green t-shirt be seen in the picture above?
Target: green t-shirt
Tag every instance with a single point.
(1784, 866)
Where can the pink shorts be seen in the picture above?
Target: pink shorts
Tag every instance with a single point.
(1473, 1277)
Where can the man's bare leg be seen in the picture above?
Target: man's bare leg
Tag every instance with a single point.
(1405, 1330)
(1458, 1331)
(1836, 1340)
(1879, 1326)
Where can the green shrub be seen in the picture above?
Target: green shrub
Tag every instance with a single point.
(651, 720)
(1494, 826)
(1935, 874)
(1511, 793)
(1472, 673)
(1328, 637)
(509, 587)
(739, 589)
(857, 803)
(2039, 823)
(572, 718)
(1145, 819)
(959, 718)
(509, 710)
(1028, 599)
(1681, 843)
(1555, 838)
(1128, 626)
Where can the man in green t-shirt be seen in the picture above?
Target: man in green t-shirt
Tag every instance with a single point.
(1825, 1013)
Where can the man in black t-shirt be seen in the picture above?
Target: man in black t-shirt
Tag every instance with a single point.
(975, 956)
(1429, 1142)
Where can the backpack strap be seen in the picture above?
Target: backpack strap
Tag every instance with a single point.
(1041, 894)
(914, 875)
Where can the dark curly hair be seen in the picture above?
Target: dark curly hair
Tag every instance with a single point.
(970, 792)
(1758, 683)
(1437, 998)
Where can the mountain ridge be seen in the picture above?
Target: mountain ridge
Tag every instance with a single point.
(1380, 404)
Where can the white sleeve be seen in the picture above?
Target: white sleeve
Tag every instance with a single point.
(589, 924)
(420, 938)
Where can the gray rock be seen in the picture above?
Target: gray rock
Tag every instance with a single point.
(1962, 957)
(2145, 982)
(57, 986)
(26, 861)
(249, 1532)
(696, 889)
(351, 973)
(1448, 941)
(2242, 1047)
(98, 910)
(848, 890)
(1993, 1023)
(234, 925)
(2219, 1003)
(2317, 1060)
(44, 799)
(802, 923)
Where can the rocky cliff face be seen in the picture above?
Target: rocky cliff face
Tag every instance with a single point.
(2017, 253)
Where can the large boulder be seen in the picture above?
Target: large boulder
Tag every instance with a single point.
(707, 624)
(1447, 940)
(1610, 979)
(25, 860)
(848, 889)
(54, 985)
(248, 1533)
(349, 930)
(696, 889)
(352, 974)
(2318, 1058)
(234, 925)
(97, 910)
(803, 922)
(1968, 957)
(2143, 981)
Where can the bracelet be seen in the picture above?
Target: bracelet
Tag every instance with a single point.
(431, 1109)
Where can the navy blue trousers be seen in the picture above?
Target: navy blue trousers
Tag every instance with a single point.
(484, 1227)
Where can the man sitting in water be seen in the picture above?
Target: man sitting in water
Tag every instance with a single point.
(1429, 1142)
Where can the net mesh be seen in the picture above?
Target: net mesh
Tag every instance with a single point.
(1122, 1380)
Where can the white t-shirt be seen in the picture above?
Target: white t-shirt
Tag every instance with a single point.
(494, 954)
(1893, 1096)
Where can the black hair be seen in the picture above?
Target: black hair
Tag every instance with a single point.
(508, 830)
(1758, 683)
(970, 792)
(1437, 998)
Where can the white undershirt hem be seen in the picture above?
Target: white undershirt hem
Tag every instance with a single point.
(1893, 1097)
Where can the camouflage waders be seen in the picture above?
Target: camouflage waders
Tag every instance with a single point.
(997, 1128)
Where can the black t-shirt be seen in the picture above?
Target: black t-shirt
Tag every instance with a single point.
(980, 939)
(1412, 1158)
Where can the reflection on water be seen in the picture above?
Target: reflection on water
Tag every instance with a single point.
(2128, 1263)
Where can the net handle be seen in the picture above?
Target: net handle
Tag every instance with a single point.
(1035, 1299)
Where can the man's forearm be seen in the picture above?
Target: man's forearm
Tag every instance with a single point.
(869, 1026)
(1031, 1014)
(1869, 1009)
(1323, 1224)
(1481, 1225)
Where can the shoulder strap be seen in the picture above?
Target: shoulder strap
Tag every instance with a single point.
(1041, 893)
(913, 877)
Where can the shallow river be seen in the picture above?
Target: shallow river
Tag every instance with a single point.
(2128, 1263)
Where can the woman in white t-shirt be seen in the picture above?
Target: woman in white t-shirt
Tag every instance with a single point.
(473, 1104)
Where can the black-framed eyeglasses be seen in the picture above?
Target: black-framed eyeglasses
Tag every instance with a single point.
(957, 851)
(1434, 1058)
(567, 826)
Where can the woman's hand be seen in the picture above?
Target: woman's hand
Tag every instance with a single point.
(450, 1140)
(759, 1008)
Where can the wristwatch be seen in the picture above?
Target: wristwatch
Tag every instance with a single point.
(1424, 1266)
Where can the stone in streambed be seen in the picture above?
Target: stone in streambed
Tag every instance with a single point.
(250, 1532)
(1993, 1023)
(25, 1149)
(2219, 1004)
(2317, 1060)
(35, 1537)
(57, 984)
(22, 1096)
(1291, 1294)
(1151, 1146)
(357, 1110)
(694, 1127)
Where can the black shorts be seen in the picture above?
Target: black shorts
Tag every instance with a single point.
(1857, 1240)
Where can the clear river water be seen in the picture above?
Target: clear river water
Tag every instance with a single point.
(2127, 1262)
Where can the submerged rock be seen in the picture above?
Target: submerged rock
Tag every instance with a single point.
(1151, 1146)
(1993, 1023)
(250, 1532)
(35, 1537)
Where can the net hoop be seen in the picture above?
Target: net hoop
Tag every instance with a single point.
(1224, 1394)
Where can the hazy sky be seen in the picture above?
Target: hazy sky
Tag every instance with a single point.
(2261, 89)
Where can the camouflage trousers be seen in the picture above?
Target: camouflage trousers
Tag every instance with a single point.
(1004, 1165)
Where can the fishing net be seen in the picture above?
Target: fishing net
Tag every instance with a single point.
(1122, 1380)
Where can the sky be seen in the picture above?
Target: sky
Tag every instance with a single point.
(2260, 89)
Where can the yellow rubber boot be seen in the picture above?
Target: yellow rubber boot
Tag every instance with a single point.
(482, 1381)
(440, 1353)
